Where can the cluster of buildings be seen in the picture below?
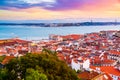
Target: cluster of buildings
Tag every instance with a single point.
(95, 56)
(11, 48)
(97, 52)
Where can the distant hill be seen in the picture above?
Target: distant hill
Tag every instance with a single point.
(63, 24)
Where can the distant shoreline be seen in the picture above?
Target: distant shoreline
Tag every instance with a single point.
(63, 24)
(38, 32)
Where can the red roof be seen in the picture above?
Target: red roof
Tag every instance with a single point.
(72, 36)
(114, 52)
(12, 41)
(88, 75)
(108, 69)
(21, 41)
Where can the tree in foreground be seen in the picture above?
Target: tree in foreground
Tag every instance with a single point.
(3, 74)
(31, 74)
(44, 66)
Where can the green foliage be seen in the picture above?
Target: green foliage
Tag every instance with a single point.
(3, 74)
(40, 67)
(43, 77)
(31, 74)
(2, 58)
(49, 52)
(78, 71)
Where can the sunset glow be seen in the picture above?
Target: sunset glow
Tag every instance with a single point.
(58, 9)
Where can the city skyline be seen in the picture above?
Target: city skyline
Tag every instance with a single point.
(58, 9)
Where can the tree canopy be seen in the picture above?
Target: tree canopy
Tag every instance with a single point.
(41, 66)
(32, 74)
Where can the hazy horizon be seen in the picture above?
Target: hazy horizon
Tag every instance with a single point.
(63, 20)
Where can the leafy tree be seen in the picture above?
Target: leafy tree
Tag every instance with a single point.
(31, 74)
(78, 71)
(43, 77)
(43, 64)
(49, 52)
(3, 74)
(2, 58)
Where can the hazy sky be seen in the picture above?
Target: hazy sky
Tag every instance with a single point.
(58, 9)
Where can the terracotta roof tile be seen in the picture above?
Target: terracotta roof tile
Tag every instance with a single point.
(87, 75)
(107, 69)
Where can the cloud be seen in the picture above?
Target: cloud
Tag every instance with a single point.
(52, 4)
(67, 4)
(47, 4)
(21, 4)
(38, 1)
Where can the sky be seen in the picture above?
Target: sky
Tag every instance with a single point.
(59, 9)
